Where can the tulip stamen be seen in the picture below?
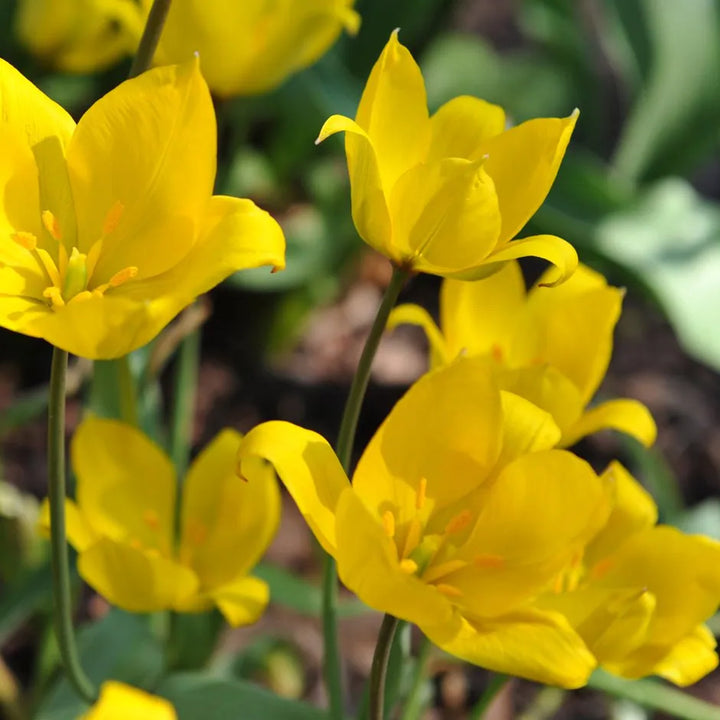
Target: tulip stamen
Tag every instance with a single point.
(449, 590)
(421, 494)
(52, 225)
(489, 560)
(435, 572)
(151, 519)
(408, 566)
(459, 522)
(413, 537)
(388, 520)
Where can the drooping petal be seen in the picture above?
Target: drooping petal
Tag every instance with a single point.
(462, 125)
(624, 415)
(369, 200)
(80, 533)
(227, 523)
(125, 484)
(121, 702)
(480, 316)
(368, 564)
(448, 425)
(690, 659)
(393, 112)
(307, 466)
(415, 315)
(523, 163)
(135, 579)
(157, 132)
(537, 645)
(444, 216)
(242, 601)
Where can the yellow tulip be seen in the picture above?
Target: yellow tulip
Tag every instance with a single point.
(122, 524)
(641, 592)
(109, 228)
(122, 702)
(79, 36)
(459, 514)
(550, 345)
(446, 194)
(252, 46)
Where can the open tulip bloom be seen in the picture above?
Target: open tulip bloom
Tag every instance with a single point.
(550, 345)
(446, 194)
(122, 524)
(459, 515)
(109, 228)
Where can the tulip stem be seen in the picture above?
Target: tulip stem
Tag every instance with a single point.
(344, 447)
(150, 37)
(62, 596)
(378, 671)
(417, 698)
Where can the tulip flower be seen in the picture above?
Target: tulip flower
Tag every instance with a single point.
(122, 524)
(446, 194)
(79, 36)
(550, 345)
(250, 47)
(109, 228)
(640, 593)
(458, 515)
(122, 702)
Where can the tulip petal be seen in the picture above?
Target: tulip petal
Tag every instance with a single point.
(447, 425)
(444, 215)
(227, 523)
(118, 700)
(393, 112)
(624, 415)
(537, 645)
(242, 601)
(79, 532)
(409, 314)
(127, 496)
(369, 204)
(690, 659)
(307, 466)
(523, 163)
(157, 133)
(368, 564)
(461, 125)
(480, 316)
(135, 579)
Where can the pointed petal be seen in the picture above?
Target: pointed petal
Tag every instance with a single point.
(369, 200)
(445, 216)
(308, 468)
(368, 565)
(135, 579)
(462, 125)
(227, 522)
(157, 132)
(529, 643)
(690, 659)
(445, 429)
(523, 163)
(129, 495)
(480, 316)
(242, 601)
(118, 700)
(393, 112)
(415, 315)
(624, 415)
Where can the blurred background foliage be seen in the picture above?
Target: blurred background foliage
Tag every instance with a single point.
(638, 196)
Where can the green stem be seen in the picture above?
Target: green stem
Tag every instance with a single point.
(186, 377)
(62, 596)
(127, 393)
(415, 699)
(378, 671)
(495, 685)
(346, 438)
(150, 37)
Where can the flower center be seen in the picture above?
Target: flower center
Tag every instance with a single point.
(70, 276)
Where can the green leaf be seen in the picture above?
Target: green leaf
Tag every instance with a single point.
(671, 238)
(652, 694)
(702, 519)
(121, 647)
(201, 697)
(23, 598)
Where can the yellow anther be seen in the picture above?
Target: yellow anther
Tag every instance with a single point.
(151, 519)
(113, 218)
(601, 568)
(497, 352)
(459, 522)
(449, 590)
(75, 275)
(388, 521)
(53, 294)
(421, 494)
(25, 239)
(559, 583)
(412, 539)
(121, 277)
(489, 561)
(51, 224)
(408, 566)
(81, 297)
